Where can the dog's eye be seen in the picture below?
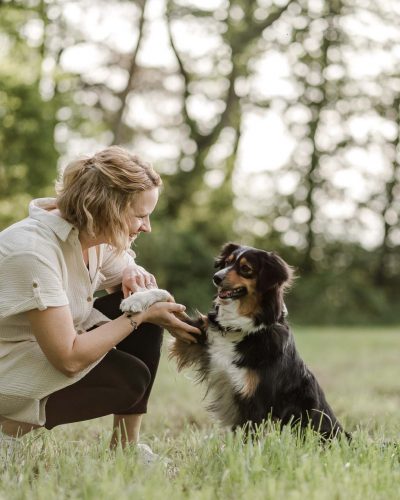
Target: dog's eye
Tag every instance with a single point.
(245, 269)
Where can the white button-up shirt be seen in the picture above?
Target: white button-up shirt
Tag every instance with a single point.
(41, 265)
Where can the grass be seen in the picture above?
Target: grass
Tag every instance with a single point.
(358, 369)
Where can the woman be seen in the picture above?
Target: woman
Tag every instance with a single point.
(57, 358)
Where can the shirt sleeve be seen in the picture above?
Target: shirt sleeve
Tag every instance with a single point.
(112, 266)
(29, 281)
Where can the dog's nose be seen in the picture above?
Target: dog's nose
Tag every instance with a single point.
(217, 279)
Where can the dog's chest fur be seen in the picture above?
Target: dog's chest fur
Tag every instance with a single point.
(227, 380)
(224, 377)
(223, 356)
(228, 317)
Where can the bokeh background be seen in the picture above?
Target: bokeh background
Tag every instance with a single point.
(273, 123)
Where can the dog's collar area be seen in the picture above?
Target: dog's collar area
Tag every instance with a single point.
(257, 329)
(226, 330)
(212, 318)
(258, 325)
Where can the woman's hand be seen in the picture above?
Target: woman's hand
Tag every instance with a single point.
(165, 314)
(135, 278)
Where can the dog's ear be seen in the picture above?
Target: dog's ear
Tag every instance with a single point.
(274, 271)
(226, 250)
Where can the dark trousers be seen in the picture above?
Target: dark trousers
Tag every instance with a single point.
(120, 384)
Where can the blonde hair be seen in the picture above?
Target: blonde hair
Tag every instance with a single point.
(95, 193)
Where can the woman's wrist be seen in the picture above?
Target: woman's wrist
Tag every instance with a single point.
(130, 317)
(135, 319)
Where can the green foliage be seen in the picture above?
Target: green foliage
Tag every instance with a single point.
(182, 263)
(27, 150)
(345, 298)
(46, 112)
(28, 156)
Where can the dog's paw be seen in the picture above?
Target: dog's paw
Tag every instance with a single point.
(140, 301)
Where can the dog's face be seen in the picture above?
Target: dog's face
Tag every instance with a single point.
(247, 274)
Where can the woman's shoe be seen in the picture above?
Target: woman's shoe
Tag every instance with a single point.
(146, 455)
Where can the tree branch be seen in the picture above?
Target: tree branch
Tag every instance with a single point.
(132, 71)
(231, 97)
(258, 27)
(185, 75)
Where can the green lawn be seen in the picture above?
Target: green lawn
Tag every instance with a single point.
(359, 371)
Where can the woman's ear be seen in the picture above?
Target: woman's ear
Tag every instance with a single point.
(226, 250)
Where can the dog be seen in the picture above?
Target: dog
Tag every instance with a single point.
(246, 353)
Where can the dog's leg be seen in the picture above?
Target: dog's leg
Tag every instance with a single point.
(194, 354)
(140, 301)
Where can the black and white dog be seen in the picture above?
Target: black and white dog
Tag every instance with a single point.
(246, 354)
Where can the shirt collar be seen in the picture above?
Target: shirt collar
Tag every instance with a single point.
(39, 210)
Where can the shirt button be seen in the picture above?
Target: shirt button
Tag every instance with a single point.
(89, 299)
(80, 332)
(34, 284)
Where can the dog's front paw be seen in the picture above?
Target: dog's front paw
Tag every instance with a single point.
(140, 301)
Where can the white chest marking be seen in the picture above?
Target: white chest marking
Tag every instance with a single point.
(225, 378)
(228, 317)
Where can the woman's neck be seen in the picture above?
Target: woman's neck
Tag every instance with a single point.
(88, 241)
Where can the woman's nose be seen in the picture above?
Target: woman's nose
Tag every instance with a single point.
(146, 226)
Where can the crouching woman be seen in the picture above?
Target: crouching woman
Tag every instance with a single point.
(66, 356)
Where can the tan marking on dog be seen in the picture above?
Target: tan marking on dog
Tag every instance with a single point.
(230, 259)
(249, 305)
(245, 262)
(252, 380)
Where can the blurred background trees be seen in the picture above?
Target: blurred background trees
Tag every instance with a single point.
(273, 123)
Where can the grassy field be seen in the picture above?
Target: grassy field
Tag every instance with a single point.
(359, 371)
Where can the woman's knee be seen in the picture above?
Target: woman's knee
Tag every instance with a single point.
(135, 384)
(144, 343)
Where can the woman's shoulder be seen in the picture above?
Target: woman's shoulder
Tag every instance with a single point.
(28, 236)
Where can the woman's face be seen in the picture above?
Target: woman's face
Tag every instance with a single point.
(139, 215)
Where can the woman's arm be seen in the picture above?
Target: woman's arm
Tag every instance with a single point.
(71, 353)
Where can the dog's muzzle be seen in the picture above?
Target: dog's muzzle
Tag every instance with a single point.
(219, 277)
